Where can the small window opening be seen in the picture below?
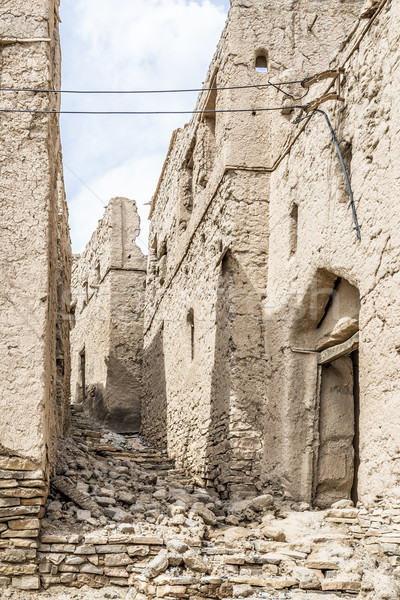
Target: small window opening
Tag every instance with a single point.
(261, 64)
(72, 316)
(163, 249)
(162, 262)
(97, 276)
(82, 369)
(186, 189)
(294, 228)
(190, 321)
(210, 122)
(85, 293)
(188, 183)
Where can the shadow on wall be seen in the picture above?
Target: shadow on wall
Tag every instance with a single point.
(123, 394)
(155, 416)
(238, 385)
(218, 448)
(99, 400)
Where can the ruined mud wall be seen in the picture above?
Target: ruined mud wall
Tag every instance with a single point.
(301, 278)
(206, 369)
(107, 339)
(34, 258)
(63, 324)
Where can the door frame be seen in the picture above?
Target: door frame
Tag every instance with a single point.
(325, 357)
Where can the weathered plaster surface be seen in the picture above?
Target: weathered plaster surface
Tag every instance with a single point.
(35, 259)
(32, 253)
(108, 284)
(235, 286)
(311, 176)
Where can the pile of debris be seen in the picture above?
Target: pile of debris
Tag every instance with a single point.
(121, 515)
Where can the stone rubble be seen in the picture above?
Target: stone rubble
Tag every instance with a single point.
(153, 533)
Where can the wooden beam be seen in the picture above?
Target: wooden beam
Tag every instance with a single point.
(335, 352)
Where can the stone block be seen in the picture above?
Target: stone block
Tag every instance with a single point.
(110, 549)
(138, 550)
(91, 569)
(26, 583)
(116, 560)
(67, 548)
(320, 565)
(36, 483)
(67, 578)
(63, 568)
(16, 464)
(53, 539)
(277, 583)
(177, 591)
(119, 581)
(13, 555)
(24, 543)
(13, 511)
(17, 569)
(74, 560)
(83, 549)
(116, 572)
(8, 483)
(20, 492)
(9, 501)
(24, 524)
(28, 533)
(337, 585)
(33, 501)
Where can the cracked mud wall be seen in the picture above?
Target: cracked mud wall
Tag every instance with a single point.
(35, 259)
(35, 239)
(206, 368)
(107, 339)
(327, 248)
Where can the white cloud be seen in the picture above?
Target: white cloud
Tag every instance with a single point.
(128, 44)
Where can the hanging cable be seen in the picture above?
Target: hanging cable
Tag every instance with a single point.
(351, 204)
(166, 91)
(144, 112)
(293, 98)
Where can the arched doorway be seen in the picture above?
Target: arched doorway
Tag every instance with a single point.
(336, 459)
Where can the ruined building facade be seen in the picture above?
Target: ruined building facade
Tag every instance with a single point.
(108, 283)
(271, 330)
(35, 261)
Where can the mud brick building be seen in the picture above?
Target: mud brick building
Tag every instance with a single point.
(271, 330)
(108, 282)
(35, 259)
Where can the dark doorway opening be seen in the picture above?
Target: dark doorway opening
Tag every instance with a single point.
(339, 430)
(82, 369)
(356, 440)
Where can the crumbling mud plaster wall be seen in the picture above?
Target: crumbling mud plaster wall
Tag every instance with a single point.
(35, 281)
(206, 362)
(108, 283)
(308, 307)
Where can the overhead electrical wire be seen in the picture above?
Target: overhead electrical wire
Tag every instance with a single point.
(164, 91)
(156, 112)
(145, 112)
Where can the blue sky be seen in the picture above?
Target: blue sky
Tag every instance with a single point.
(127, 44)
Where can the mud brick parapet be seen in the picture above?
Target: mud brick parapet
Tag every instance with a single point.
(23, 493)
